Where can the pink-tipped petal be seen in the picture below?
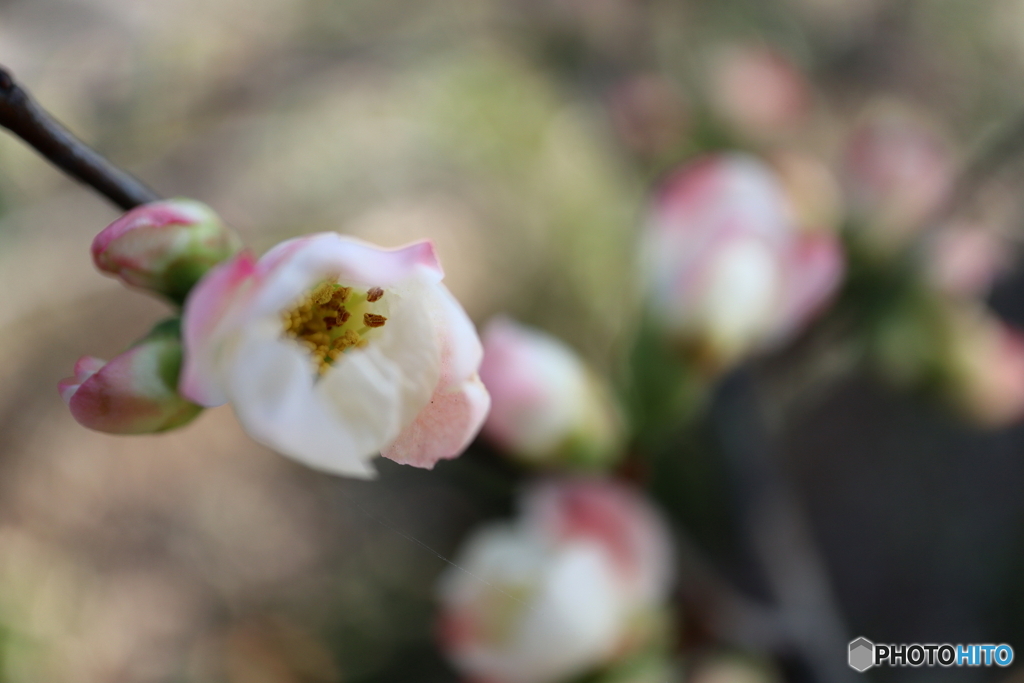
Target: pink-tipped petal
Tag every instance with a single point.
(155, 215)
(295, 262)
(460, 404)
(617, 517)
(444, 428)
(816, 270)
(205, 311)
(461, 350)
(164, 247)
(86, 367)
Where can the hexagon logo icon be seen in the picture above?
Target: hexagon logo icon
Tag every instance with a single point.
(862, 654)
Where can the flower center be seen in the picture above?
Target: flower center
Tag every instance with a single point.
(332, 318)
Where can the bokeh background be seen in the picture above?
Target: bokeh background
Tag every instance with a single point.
(523, 137)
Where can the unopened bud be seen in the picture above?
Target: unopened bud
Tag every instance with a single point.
(547, 406)
(136, 392)
(165, 246)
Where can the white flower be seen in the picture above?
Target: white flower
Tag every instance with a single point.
(331, 350)
(574, 584)
(727, 267)
(537, 612)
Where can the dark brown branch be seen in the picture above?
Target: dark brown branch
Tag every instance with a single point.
(20, 114)
(779, 534)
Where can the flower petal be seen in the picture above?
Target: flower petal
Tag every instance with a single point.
(271, 389)
(460, 403)
(359, 406)
(203, 325)
(444, 428)
(814, 273)
(292, 267)
(86, 367)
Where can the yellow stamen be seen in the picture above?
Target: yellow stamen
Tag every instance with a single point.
(320, 321)
(323, 293)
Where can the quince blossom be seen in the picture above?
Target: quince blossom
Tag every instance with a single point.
(897, 171)
(729, 270)
(331, 350)
(574, 584)
(758, 90)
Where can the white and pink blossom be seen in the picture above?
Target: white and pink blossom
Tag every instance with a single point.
(728, 269)
(331, 350)
(758, 90)
(897, 171)
(574, 584)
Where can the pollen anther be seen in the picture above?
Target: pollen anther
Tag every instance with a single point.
(319, 322)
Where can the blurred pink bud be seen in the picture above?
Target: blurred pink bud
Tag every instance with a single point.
(332, 350)
(728, 271)
(987, 365)
(649, 113)
(136, 392)
(758, 90)
(964, 259)
(529, 612)
(617, 517)
(560, 591)
(897, 171)
(166, 246)
(547, 406)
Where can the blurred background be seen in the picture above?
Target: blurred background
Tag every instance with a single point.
(525, 137)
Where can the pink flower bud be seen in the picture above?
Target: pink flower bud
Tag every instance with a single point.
(136, 392)
(728, 271)
(617, 517)
(547, 406)
(758, 90)
(897, 171)
(165, 246)
(567, 588)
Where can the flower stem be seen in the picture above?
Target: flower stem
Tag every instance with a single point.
(21, 115)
